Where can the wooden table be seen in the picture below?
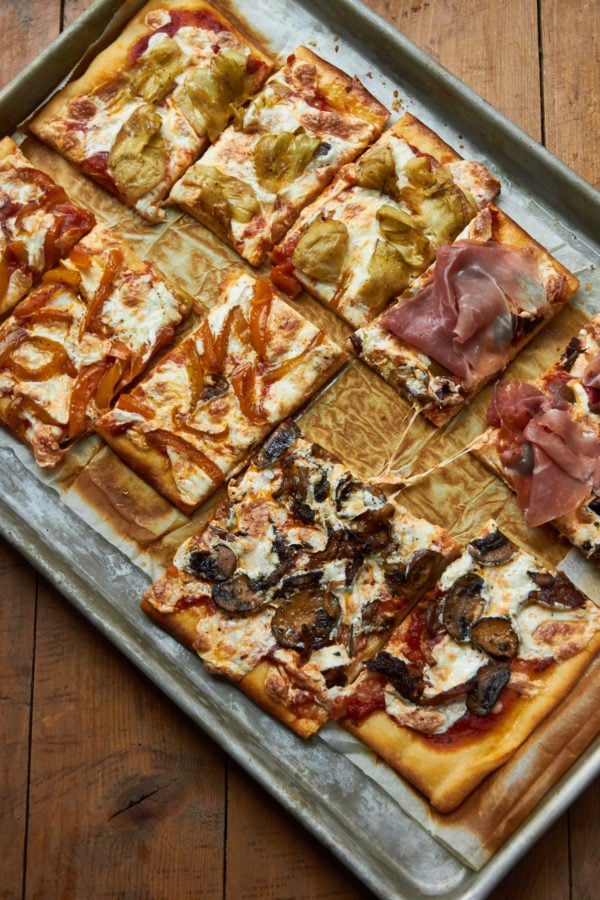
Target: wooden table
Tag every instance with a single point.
(107, 790)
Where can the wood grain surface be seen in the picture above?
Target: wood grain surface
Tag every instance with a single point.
(106, 789)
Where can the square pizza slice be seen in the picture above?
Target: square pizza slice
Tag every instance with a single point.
(148, 105)
(307, 121)
(377, 226)
(38, 224)
(544, 442)
(460, 323)
(299, 575)
(193, 420)
(472, 670)
(88, 330)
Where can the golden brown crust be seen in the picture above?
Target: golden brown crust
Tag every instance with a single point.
(446, 775)
(304, 720)
(8, 147)
(424, 139)
(346, 94)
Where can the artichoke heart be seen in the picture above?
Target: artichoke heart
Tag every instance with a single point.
(401, 230)
(208, 95)
(321, 250)
(376, 170)
(280, 158)
(447, 213)
(158, 68)
(223, 195)
(137, 160)
(388, 275)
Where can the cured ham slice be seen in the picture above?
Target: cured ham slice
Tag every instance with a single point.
(551, 459)
(463, 318)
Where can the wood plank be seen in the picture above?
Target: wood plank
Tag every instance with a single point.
(491, 55)
(36, 23)
(292, 862)
(571, 83)
(17, 627)
(135, 794)
(583, 834)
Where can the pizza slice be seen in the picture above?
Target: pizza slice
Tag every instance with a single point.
(196, 416)
(377, 226)
(544, 442)
(459, 324)
(150, 103)
(38, 224)
(299, 574)
(307, 121)
(465, 679)
(79, 338)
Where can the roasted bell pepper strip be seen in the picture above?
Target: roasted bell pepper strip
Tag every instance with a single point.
(259, 316)
(59, 361)
(275, 373)
(112, 263)
(243, 382)
(165, 439)
(283, 278)
(84, 390)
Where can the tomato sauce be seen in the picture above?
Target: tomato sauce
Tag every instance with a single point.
(179, 18)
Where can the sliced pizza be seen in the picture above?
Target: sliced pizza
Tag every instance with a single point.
(377, 226)
(298, 576)
(544, 441)
(79, 338)
(38, 224)
(193, 420)
(149, 104)
(459, 325)
(307, 121)
(474, 668)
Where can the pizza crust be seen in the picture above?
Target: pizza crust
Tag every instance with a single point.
(447, 776)
(304, 720)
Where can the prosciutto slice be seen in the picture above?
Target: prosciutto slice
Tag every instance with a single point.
(462, 319)
(551, 460)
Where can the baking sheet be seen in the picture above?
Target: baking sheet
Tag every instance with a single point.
(326, 789)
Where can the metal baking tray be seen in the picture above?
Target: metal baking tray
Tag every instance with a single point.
(355, 817)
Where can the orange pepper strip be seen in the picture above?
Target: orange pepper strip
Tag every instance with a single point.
(163, 439)
(112, 263)
(259, 316)
(51, 253)
(275, 373)
(283, 277)
(62, 275)
(58, 363)
(221, 344)
(195, 372)
(17, 250)
(21, 412)
(10, 342)
(134, 403)
(243, 382)
(4, 278)
(108, 384)
(83, 391)
(81, 256)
